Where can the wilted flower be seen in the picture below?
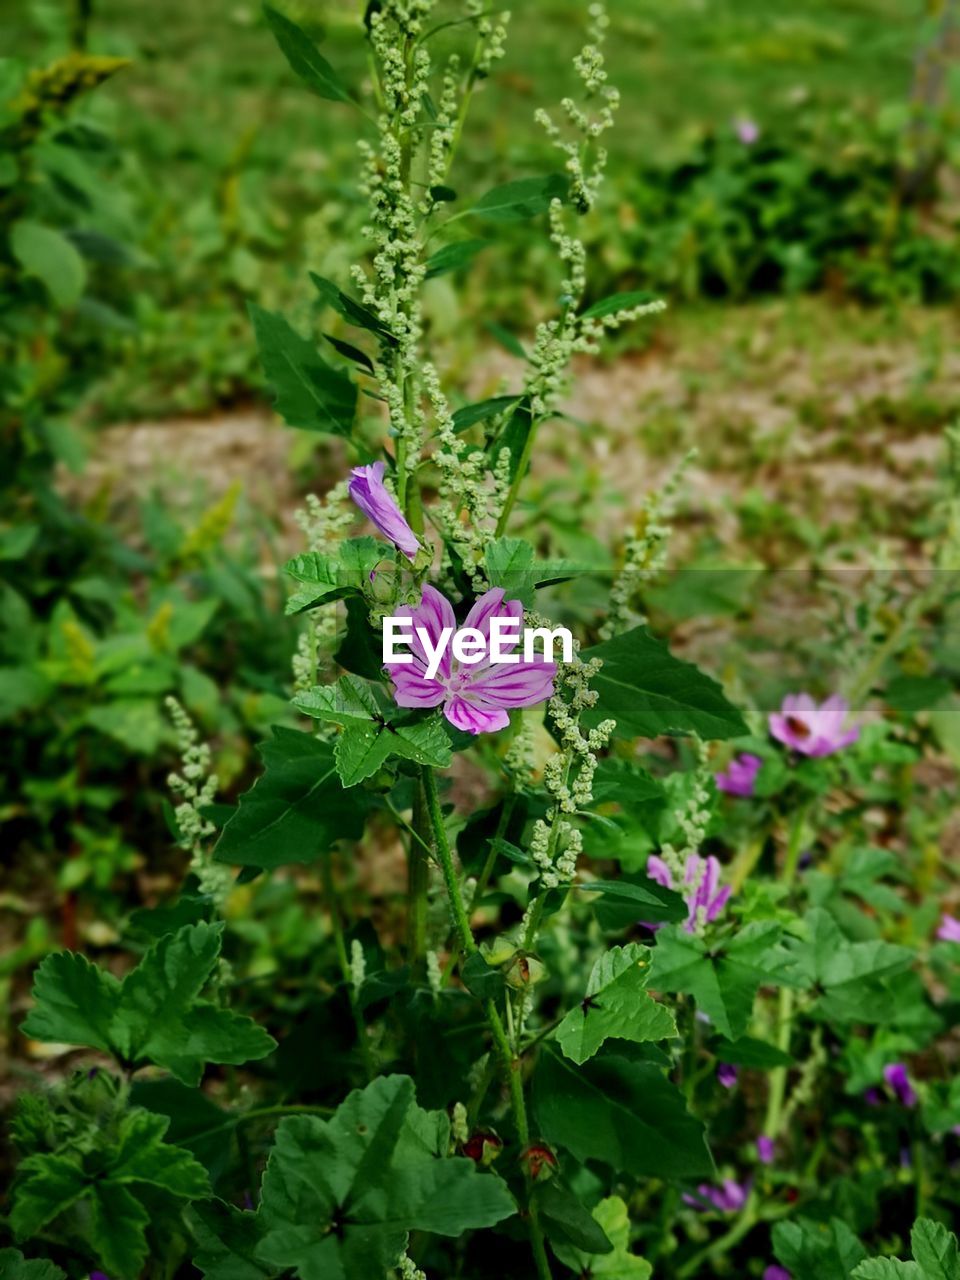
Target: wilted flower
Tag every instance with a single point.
(368, 491)
(727, 1075)
(896, 1077)
(701, 886)
(475, 697)
(811, 729)
(949, 930)
(765, 1149)
(747, 130)
(727, 1198)
(740, 775)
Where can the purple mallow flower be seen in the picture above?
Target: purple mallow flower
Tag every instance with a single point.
(949, 930)
(740, 775)
(773, 1272)
(727, 1074)
(368, 491)
(896, 1077)
(747, 130)
(812, 729)
(475, 697)
(729, 1197)
(701, 886)
(765, 1150)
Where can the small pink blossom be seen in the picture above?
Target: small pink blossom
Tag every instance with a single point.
(740, 775)
(475, 697)
(812, 729)
(773, 1272)
(765, 1150)
(727, 1075)
(700, 888)
(729, 1197)
(949, 930)
(368, 491)
(747, 130)
(896, 1077)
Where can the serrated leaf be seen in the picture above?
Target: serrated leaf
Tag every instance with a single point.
(48, 256)
(305, 58)
(849, 974)
(612, 1216)
(310, 393)
(143, 1156)
(154, 1015)
(817, 1250)
(362, 748)
(453, 256)
(723, 979)
(523, 198)
(228, 1240)
(46, 1186)
(378, 1169)
(618, 302)
(296, 811)
(886, 1269)
(617, 1005)
(14, 1266)
(650, 692)
(935, 1249)
(325, 578)
(623, 1113)
(118, 1231)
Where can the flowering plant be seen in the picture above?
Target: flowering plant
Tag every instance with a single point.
(587, 1031)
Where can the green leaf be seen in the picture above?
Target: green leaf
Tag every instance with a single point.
(567, 1222)
(647, 900)
(45, 1186)
(296, 811)
(935, 1249)
(723, 979)
(350, 352)
(817, 1250)
(611, 1215)
(326, 578)
(471, 414)
(49, 257)
(118, 1231)
(481, 979)
(143, 1156)
(228, 1240)
(154, 1015)
(522, 198)
(748, 1052)
(309, 392)
(616, 1005)
(377, 1169)
(453, 256)
(618, 302)
(368, 738)
(849, 974)
(305, 58)
(509, 341)
(14, 1266)
(352, 311)
(887, 1269)
(623, 1113)
(649, 692)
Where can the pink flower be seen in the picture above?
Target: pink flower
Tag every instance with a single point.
(896, 1077)
(368, 491)
(475, 697)
(740, 776)
(701, 880)
(811, 729)
(727, 1198)
(727, 1075)
(949, 930)
(765, 1150)
(747, 130)
(773, 1272)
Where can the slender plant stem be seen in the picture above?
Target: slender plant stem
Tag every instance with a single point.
(484, 878)
(418, 875)
(511, 1065)
(521, 471)
(339, 941)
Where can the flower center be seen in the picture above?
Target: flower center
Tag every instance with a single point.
(798, 727)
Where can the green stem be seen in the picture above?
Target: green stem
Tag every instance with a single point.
(339, 941)
(484, 879)
(418, 877)
(794, 845)
(521, 471)
(510, 1064)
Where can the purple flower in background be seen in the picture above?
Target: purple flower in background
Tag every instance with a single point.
(949, 930)
(896, 1077)
(727, 1075)
(368, 491)
(747, 130)
(872, 1097)
(740, 775)
(812, 729)
(727, 1198)
(99, 1275)
(475, 697)
(700, 888)
(773, 1272)
(765, 1150)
